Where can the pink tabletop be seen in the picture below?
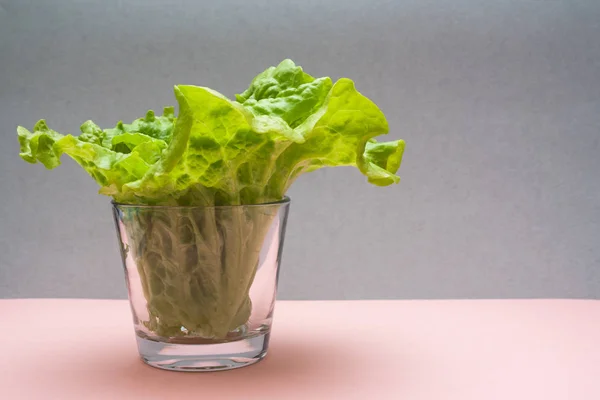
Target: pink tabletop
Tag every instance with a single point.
(443, 350)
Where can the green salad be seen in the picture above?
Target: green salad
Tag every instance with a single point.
(218, 151)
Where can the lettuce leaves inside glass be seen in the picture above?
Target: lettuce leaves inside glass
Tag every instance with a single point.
(215, 152)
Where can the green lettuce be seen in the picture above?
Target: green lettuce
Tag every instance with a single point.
(219, 151)
(224, 152)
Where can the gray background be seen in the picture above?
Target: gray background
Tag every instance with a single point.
(498, 100)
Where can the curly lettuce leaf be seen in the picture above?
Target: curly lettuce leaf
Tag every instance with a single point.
(113, 157)
(287, 92)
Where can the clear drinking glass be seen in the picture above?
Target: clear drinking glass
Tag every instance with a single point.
(202, 281)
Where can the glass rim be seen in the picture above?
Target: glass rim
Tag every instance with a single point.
(284, 201)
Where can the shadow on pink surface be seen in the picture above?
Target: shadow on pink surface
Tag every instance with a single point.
(105, 371)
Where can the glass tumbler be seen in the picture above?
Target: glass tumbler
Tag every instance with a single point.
(202, 281)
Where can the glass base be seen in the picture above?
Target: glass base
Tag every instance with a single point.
(203, 357)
